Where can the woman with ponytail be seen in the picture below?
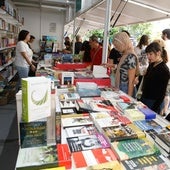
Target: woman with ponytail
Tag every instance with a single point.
(156, 78)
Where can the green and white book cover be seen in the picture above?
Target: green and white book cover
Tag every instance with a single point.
(36, 98)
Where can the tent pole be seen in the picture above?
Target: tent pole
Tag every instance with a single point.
(106, 31)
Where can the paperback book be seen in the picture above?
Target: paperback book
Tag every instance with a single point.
(78, 120)
(150, 162)
(93, 157)
(36, 158)
(134, 148)
(134, 114)
(149, 114)
(33, 134)
(113, 165)
(80, 130)
(122, 132)
(148, 125)
(67, 104)
(69, 96)
(102, 105)
(162, 138)
(82, 143)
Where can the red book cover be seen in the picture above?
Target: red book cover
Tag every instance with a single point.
(93, 157)
(64, 155)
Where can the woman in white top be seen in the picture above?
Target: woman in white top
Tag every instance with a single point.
(23, 55)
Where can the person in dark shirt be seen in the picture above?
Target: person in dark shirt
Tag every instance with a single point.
(78, 44)
(156, 78)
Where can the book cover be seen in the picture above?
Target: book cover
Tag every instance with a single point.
(134, 148)
(35, 158)
(83, 75)
(126, 105)
(82, 106)
(162, 138)
(122, 132)
(65, 111)
(93, 157)
(125, 98)
(148, 125)
(113, 165)
(80, 130)
(76, 121)
(67, 78)
(85, 92)
(149, 114)
(69, 96)
(99, 115)
(134, 114)
(82, 143)
(67, 104)
(125, 120)
(102, 105)
(150, 162)
(33, 134)
(36, 98)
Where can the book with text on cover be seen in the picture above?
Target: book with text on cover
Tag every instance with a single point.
(150, 162)
(76, 120)
(113, 165)
(162, 138)
(80, 130)
(87, 142)
(37, 158)
(148, 125)
(93, 157)
(134, 114)
(33, 134)
(122, 132)
(134, 148)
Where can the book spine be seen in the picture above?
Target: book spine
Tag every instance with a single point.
(25, 101)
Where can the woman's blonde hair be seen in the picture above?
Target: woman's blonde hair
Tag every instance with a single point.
(124, 41)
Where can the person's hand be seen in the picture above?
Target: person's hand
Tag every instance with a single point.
(33, 68)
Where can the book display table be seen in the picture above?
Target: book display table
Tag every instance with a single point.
(83, 139)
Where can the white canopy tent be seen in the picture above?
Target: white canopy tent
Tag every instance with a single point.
(107, 13)
(135, 11)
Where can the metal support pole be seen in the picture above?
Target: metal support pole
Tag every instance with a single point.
(106, 31)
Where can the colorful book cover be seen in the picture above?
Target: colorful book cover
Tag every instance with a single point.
(125, 120)
(99, 115)
(36, 98)
(33, 134)
(134, 114)
(122, 132)
(80, 130)
(76, 121)
(69, 96)
(150, 162)
(82, 143)
(67, 104)
(102, 105)
(148, 125)
(93, 157)
(126, 105)
(82, 106)
(113, 165)
(134, 148)
(149, 114)
(35, 158)
(162, 138)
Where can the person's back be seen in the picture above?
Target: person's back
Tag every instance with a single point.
(78, 44)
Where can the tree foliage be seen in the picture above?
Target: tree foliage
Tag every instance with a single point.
(135, 30)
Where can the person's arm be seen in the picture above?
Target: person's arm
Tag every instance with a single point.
(131, 78)
(28, 61)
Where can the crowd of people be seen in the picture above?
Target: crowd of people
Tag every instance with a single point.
(143, 69)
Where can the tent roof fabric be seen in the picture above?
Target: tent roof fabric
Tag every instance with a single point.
(135, 11)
